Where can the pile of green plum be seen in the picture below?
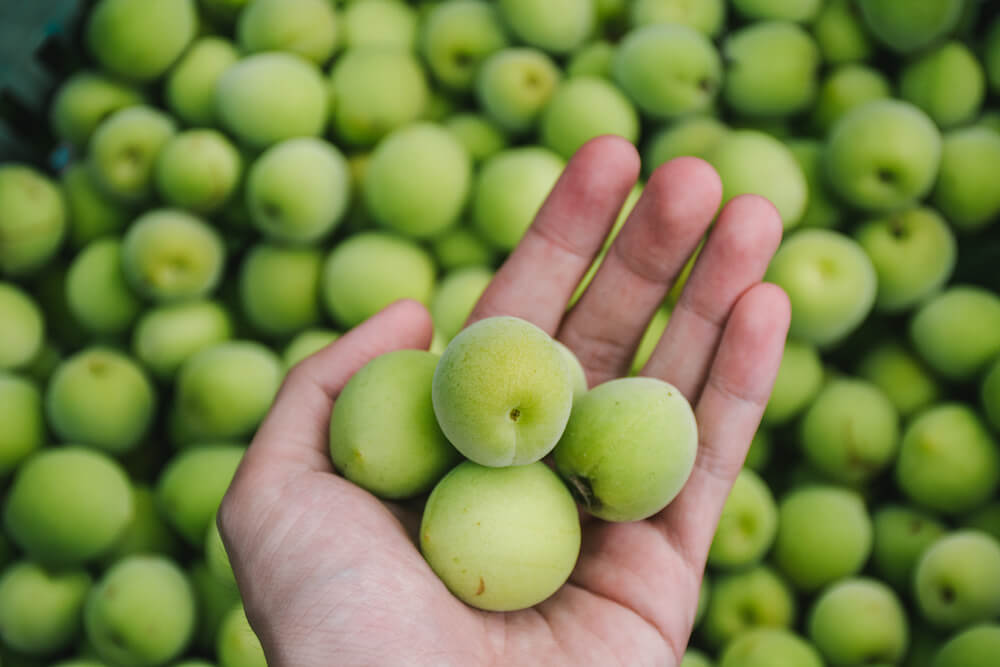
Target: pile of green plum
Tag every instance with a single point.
(246, 179)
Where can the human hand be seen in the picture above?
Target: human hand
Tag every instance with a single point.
(330, 574)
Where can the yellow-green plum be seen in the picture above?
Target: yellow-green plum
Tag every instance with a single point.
(957, 580)
(513, 86)
(165, 336)
(216, 557)
(592, 59)
(141, 612)
(948, 83)
(191, 487)
(629, 448)
(948, 462)
(455, 296)
(770, 647)
(22, 327)
(747, 526)
(705, 16)
(840, 34)
(741, 601)
(800, 377)
(97, 293)
(975, 647)
(694, 136)
(236, 644)
(92, 213)
(306, 343)
(501, 539)
(146, 533)
(40, 609)
(859, 622)
(423, 202)
(824, 534)
(384, 436)
(508, 191)
(32, 219)
(304, 27)
(214, 598)
(752, 162)
(802, 11)
(894, 370)
(68, 505)
(902, 534)
(830, 282)
(578, 376)
(123, 150)
(991, 395)
(83, 100)
(198, 170)
(140, 39)
(189, 88)
(557, 26)
(964, 192)
(268, 97)
(23, 420)
(376, 90)
(502, 392)
(584, 107)
(279, 288)
(455, 37)
(850, 432)
(368, 271)
(771, 69)
(224, 390)
(695, 658)
(650, 338)
(822, 210)
(461, 246)
(906, 27)
(693, 73)
(102, 398)
(845, 88)
(883, 155)
(914, 254)
(480, 136)
(383, 23)
(958, 331)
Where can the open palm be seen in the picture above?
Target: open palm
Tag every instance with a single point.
(331, 575)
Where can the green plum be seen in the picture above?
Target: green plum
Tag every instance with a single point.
(957, 580)
(501, 539)
(859, 621)
(747, 526)
(369, 271)
(883, 155)
(948, 462)
(198, 170)
(628, 448)
(691, 81)
(894, 370)
(695, 136)
(650, 339)
(97, 293)
(914, 254)
(902, 534)
(578, 376)
(964, 192)
(770, 647)
(508, 191)
(307, 343)
(22, 328)
(376, 90)
(592, 59)
(840, 33)
(92, 213)
(513, 85)
(384, 436)
(974, 647)
(68, 505)
(800, 377)
(461, 246)
(268, 97)
(456, 36)
(279, 288)
(214, 598)
(141, 612)
(584, 107)
(216, 557)
(705, 16)
(991, 395)
(423, 202)
(140, 39)
(822, 209)
(32, 220)
(123, 151)
(189, 89)
(83, 100)
(958, 331)
(164, 337)
(742, 601)
(380, 23)
(847, 87)
(304, 27)
(695, 658)
(481, 137)
(824, 534)
(502, 392)
(556, 26)
(21, 413)
(191, 487)
(906, 27)
(41, 610)
(455, 296)
(802, 11)
(237, 645)
(147, 532)
(948, 83)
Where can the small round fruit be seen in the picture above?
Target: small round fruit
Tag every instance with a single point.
(215, 598)
(307, 343)
(237, 645)
(198, 170)
(32, 220)
(40, 610)
(21, 414)
(957, 581)
(902, 534)
(747, 526)
(802, 11)
(948, 83)
(190, 86)
(768, 647)
(457, 36)
(592, 59)
(68, 505)
(578, 376)
(964, 192)
(513, 86)
(166, 336)
(455, 296)
(898, 373)
(140, 39)
(906, 27)
(304, 27)
(695, 136)
(501, 539)
(191, 487)
(974, 647)
(84, 100)
(481, 137)
(800, 377)
(97, 293)
(147, 532)
(279, 288)
(845, 88)
(584, 107)
(557, 26)
(745, 600)
(958, 331)
(22, 329)
(460, 247)
(859, 621)
(705, 16)
(379, 23)
(123, 150)
(822, 209)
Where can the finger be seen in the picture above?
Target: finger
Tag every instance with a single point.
(734, 258)
(676, 207)
(538, 279)
(294, 435)
(728, 415)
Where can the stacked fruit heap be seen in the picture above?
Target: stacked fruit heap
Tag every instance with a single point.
(227, 208)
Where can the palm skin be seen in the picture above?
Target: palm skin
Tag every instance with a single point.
(331, 575)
